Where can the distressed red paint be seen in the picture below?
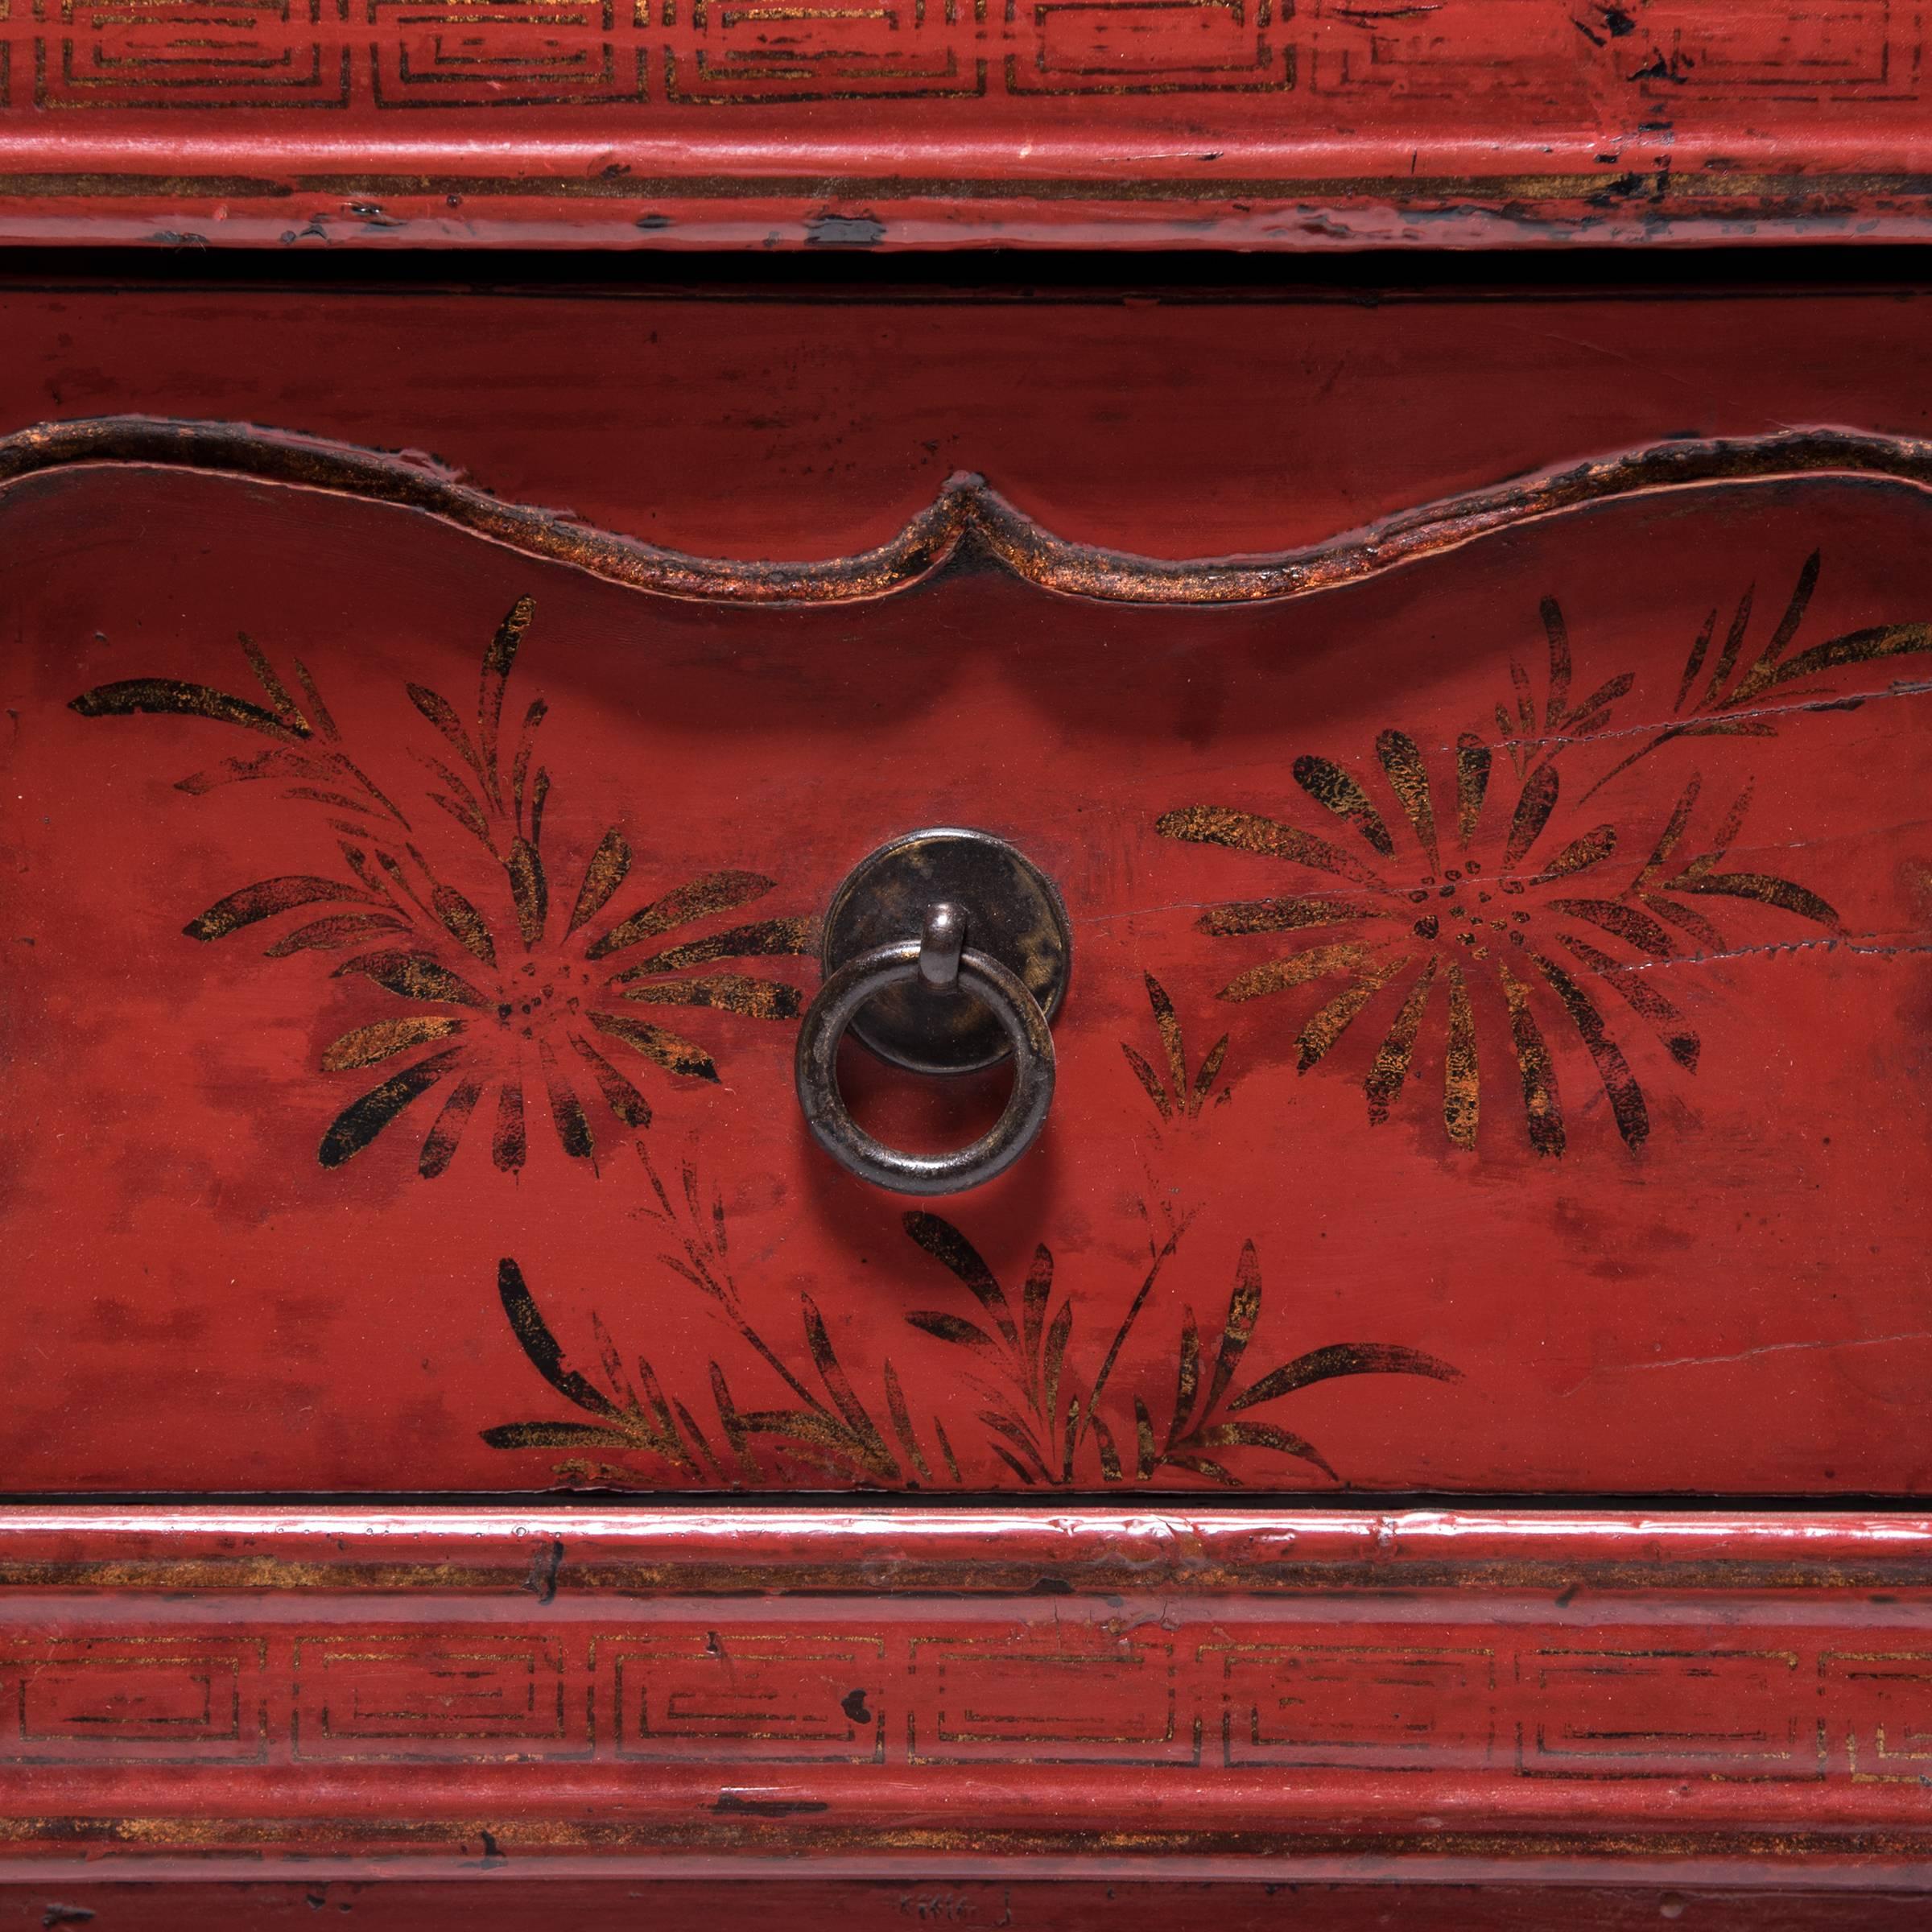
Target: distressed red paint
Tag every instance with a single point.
(1544, 876)
(1312, 1697)
(1708, 1284)
(1232, 123)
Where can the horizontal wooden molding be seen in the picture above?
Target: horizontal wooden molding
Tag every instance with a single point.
(968, 518)
(862, 1690)
(1190, 123)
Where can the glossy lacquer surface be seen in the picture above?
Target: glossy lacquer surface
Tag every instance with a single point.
(1494, 1060)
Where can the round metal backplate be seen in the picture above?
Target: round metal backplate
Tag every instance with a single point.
(1012, 912)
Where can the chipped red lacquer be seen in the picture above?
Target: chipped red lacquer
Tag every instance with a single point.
(945, 1698)
(947, 123)
(1461, 948)
(1708, 1281)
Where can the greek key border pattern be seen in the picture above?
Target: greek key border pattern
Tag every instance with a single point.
(1329, 56)
(1074, 1684)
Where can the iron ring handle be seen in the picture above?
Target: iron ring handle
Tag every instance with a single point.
(860, 1153)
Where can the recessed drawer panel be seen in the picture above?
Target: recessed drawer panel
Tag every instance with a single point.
(1483, 963)
(1492, 1056)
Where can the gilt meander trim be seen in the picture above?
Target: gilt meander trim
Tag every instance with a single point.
(1260, 1691)
(968, 515)
(1264, 125)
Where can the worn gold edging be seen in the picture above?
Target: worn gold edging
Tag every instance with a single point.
(968, 513)
(743, 1835)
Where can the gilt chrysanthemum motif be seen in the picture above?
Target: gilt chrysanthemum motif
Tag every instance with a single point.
(515, 988)
(1461, 878)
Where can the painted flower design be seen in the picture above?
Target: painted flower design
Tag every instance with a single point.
(511, 990)
(1458, 881)
(1025, 1371)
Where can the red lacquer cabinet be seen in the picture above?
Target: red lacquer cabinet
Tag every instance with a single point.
(1083, 1088)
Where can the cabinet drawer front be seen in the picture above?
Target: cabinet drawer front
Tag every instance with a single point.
(1493, 1054)
(1493, 1058)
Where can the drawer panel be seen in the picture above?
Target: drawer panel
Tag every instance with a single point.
(1494, 1058)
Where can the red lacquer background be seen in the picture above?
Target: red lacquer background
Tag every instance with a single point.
(1609, 1717)
(1727, 1302)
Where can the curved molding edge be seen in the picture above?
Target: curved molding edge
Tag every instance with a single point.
(968, 516)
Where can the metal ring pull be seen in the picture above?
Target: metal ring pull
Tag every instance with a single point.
(949, 1006)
